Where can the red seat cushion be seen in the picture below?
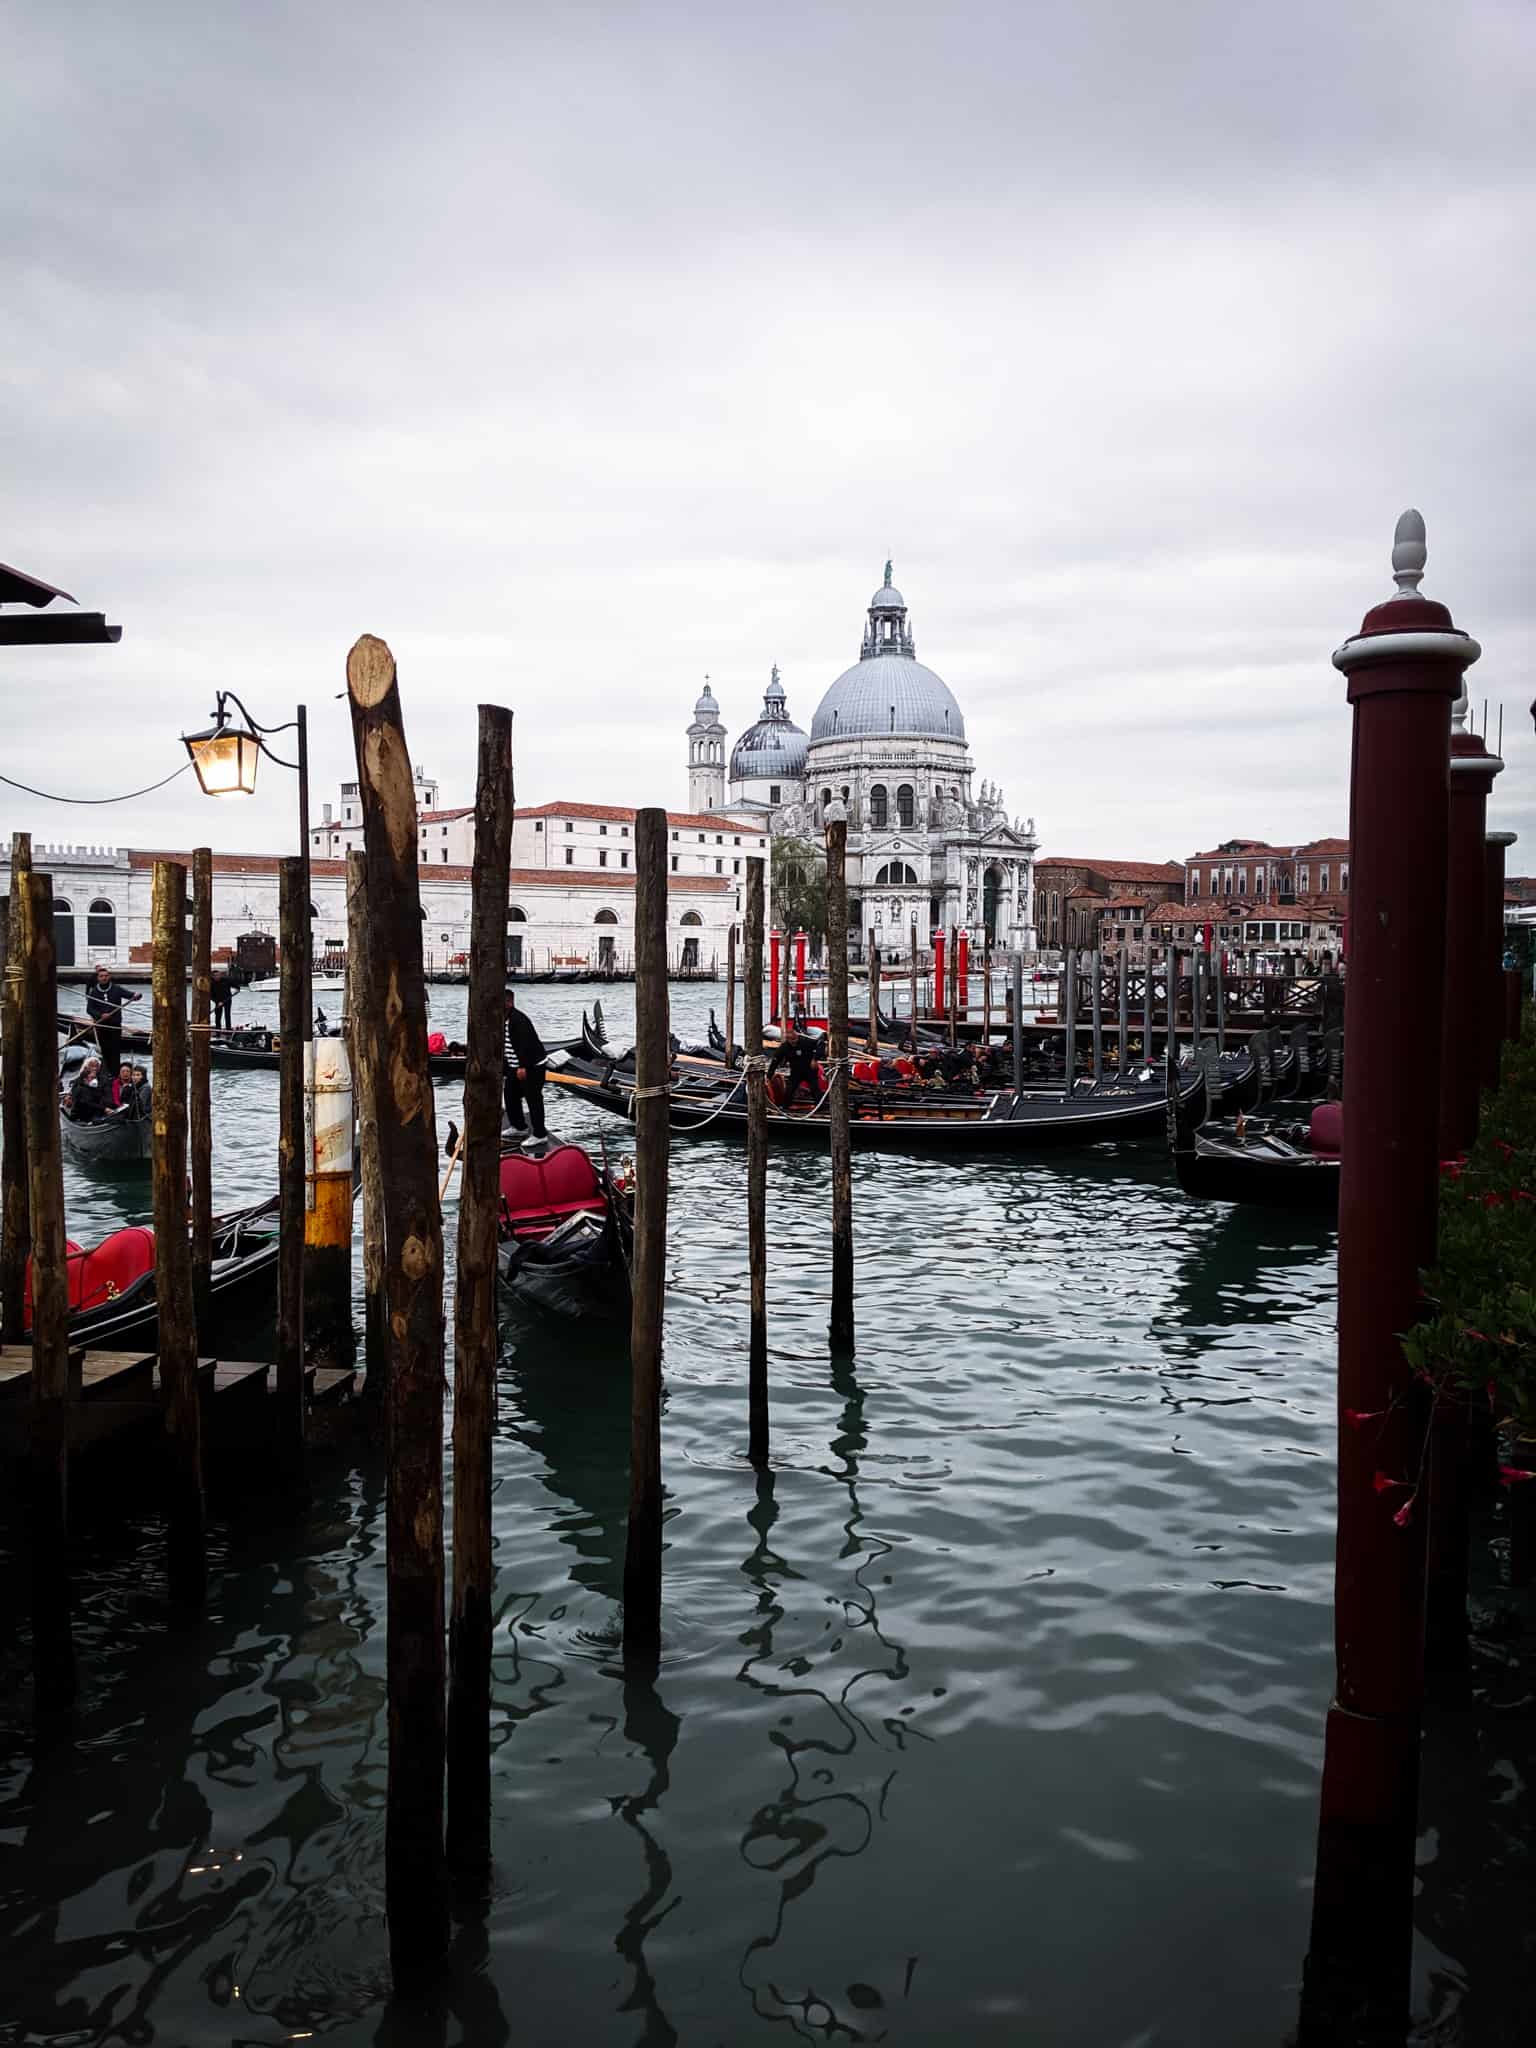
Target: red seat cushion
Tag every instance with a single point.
(108, 1269)
(536, 1194)
(1327, 1127)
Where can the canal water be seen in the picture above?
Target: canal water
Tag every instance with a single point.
(992, 1714)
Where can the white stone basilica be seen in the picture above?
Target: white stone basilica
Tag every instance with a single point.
(888, 741)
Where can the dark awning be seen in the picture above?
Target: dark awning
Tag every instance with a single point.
(18, 588)
(64, 629)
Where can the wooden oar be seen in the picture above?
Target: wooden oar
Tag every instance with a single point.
(453, 1160)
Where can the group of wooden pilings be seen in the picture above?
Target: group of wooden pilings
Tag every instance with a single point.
(1427, 887)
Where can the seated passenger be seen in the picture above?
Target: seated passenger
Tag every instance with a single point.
(122, 1086)
(85, 1100)
(143, 1093)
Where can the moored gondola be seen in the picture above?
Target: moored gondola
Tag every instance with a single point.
(118, 1141)
(905, 1119)
(565, 1233)
(1278, 1161)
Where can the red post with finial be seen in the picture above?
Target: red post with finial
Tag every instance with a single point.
(1496, 1007)
(938, 972)
(1467, 986)
(775, 950)
(1404, 671)
(963, 969)
(800, 943)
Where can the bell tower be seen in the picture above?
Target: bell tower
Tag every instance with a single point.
(706, 756)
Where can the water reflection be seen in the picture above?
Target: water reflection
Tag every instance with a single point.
(654, 1732)
(816, 1820)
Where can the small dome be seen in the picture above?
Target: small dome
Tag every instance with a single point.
(774, 748)
(886, 694)
(707, 708)
(887, 599)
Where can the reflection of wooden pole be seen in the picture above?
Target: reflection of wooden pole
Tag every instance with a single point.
(757, 1173)
(15, 1225)
(653, 1066)
(840, 1325)
(394, 999)
(730, 997)
(199, 1101)
(474, 1313)
(186, 1554)
(292, 913)
(34, 1083)
(365, 1081)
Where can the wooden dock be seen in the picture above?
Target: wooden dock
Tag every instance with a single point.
(117, 1391)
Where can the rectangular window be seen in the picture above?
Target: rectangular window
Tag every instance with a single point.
(701, 839)
(674, 858)
(570, 856)
(719, 839)
(603, 830)
(735, 867)
(773, 792)
(569, 826)
(1194, 882)
(674, 835)
(737, 840)
(624, 832)
(602, 858)
(624, 858)
(1323, 882)
(444, 852)
(719, 867)
(1344, 879)
(538, 825)
(1267, 931)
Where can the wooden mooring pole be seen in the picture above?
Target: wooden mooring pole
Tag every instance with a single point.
(1147, 1011)
(757, 1175)
(1017, 1008)
(1404, 669)
(394, 1000)
(730, 997)
(1097, 960)
(292, 1160)
(199, 1096)
(365, 1081)
(912, 993)
(474, 1315)
(1123, 1020)
(15, 1210)
(653, 1133)
(1068, 1007)
(840, 1322)
(186, 1542)
(34, 1081)
(874, 1001)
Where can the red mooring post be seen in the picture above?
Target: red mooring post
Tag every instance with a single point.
(800, 944)
(1404, 670)
(963, 970)
(936, 1008)
(775, 961)
(1466, 943)
(1496, 1013)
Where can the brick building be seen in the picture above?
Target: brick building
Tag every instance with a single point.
(1071, 896)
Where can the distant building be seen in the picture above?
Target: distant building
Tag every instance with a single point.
(1251, 868)
(1072, 896)
(340, 829)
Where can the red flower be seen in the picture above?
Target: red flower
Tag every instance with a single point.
(1507, 1150)
(1451, 1169)
(1383, 1484)
(1511, 1475)
(1493, 1201)
(1404, 1514)
(1355, 1416)
(1468, 1331)
(1522, 1195)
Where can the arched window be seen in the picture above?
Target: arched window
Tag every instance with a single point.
(516, 914)
(879, 805)
(826, 798)
(63, 932)
(906, 808)
(606, 917)
(690, 917)
(894, 873)
(101, 924)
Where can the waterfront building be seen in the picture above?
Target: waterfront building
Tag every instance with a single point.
(1243, 868)
(447, 838)
(927, 844)
(1072, 895)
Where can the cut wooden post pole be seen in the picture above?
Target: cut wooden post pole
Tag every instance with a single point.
(1221, 1006)
(35, 1084)
(954, 984)
(730, 997)
(292, 912)
(912, 993)
(986, 995)
(474, 1314)
(1097, 959)
(874, 1001)
(1017, 1008)
(1068, 1007)
(186, 1545)
(394, 1000)
(1123, 1020)
(653, 1130)
(757, 1175)
(1146, 1004)
(15, 1211)
(1403, 669)
(365, 1068)
(840, 1322)
(199, 1097)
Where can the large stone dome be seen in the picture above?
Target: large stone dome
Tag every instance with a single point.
(888, 693)
(774, 748)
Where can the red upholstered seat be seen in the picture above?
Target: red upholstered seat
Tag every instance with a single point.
(1327, 1128)
(866, 1070)
(109, 1269)
(436, 1042)
(536, 1194)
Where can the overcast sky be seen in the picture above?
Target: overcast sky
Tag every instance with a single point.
(582, 350)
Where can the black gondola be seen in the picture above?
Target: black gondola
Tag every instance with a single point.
(1269, 1160)
(565, 1233)
(907, 1119)
(114, 1142)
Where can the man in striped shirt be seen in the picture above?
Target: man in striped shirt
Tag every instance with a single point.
(523, 1073)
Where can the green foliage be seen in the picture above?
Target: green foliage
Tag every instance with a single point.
(799, 883)
(1477, 1339)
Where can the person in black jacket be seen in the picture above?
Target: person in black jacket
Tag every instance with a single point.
(104, 1001)
(799, 1053)
(523, 1075)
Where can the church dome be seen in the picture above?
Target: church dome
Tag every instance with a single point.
(888, 693)
(773, 748)
(707, 711)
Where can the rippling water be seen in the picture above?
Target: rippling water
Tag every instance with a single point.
(993, 1713)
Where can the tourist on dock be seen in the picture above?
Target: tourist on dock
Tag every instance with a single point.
(799, 1053)
(104, 1002)
(523, 1075)
(84, 1100)
(221, 992)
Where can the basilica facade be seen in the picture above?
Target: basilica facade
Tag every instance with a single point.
(927, 845)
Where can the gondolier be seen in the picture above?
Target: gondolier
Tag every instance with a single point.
(523, 1075)
(798, 1052)
(104, 1001)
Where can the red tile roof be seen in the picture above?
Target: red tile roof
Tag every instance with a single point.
(1120, 870)
(436, 817)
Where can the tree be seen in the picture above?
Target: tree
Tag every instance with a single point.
(799, 881)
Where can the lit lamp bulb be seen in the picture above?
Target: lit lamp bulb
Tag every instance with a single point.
(224, 758)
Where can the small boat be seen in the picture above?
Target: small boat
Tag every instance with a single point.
(1280, 1162)
(112, 1285)
(117, 1140)
(319, 985)
(565, 1233)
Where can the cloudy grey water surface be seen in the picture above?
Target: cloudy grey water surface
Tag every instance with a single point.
(992, 1713)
